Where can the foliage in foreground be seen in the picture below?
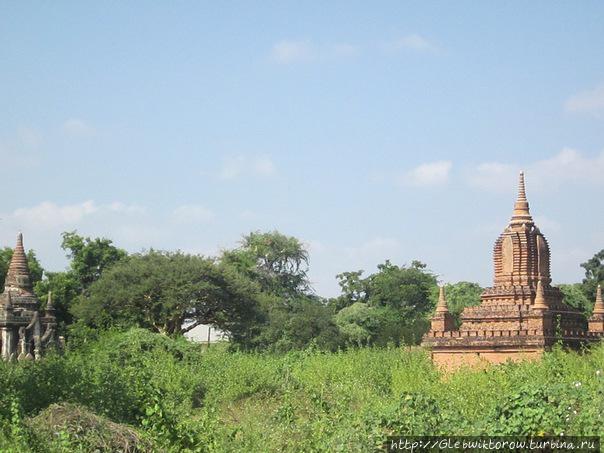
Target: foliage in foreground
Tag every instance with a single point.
(172, 395)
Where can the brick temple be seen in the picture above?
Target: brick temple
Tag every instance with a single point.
(522, 315)
(25, 331)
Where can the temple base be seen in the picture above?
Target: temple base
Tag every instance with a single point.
(453, 359)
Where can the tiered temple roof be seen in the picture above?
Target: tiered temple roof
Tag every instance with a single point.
(25, 332)
(17, 277)
(521, 315)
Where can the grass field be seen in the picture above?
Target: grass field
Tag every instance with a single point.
(146, 390)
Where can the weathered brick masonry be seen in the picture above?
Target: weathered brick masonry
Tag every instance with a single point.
(522, 315)
(25, 332)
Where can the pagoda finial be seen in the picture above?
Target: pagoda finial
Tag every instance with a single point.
(521, 207)
(49, 311)
(17, 275)
(540, 303)
(521, 188)
(441, 306)
(599, 305)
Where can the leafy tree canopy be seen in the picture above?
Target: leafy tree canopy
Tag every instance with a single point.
(461, 295)
(391, 305)
(574, 295)
(277, 262)
(303, 322)
(358, 323)
(353, 287)
(65, 289)
(161, 291)
(407, 288)
(89, 257)
(594, 274)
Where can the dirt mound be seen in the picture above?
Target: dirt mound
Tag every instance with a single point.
(78, 426)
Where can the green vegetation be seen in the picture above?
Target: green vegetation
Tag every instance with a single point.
(258, 293)
(594, 274)
(300, 372)
(461, 295)
(392, 305)
(161, 291)
(154, 393)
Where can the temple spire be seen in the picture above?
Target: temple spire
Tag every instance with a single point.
(18, 271)
(540, 303)
(9, 301)
(50, 309)
(521, 207)
(599, 305)
(441, 306)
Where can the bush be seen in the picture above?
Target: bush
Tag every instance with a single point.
(174, 395)
(66, 426)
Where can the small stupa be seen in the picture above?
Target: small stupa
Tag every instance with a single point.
(25, 332)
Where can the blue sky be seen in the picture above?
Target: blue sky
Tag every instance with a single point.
(371, 131)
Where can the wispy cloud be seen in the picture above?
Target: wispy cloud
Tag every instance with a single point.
(75, 127)
(377, 247)
(428, 174)
(118, 206)
(290, 51)
(547, 224)
(21, 149)
(412, 42)
(48, 214)
(285, 52)
(237, 166)
(343, 50)
(569, 166)
(248, 214)
(591, 101)
(51, 215)
(192, 213)
(304, 51)
(29, 137)
(494, 176)
(131, 226)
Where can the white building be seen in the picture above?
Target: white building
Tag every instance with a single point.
(205, 333)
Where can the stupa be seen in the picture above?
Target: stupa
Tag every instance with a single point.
(25, 332)
(522, 314)
(596, 322)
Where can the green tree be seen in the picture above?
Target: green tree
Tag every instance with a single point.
(35, 268)
(279, 263)
(89, 257)
(65, 289)
(594, 274)
(574, 296)
(406, 288)
(358, 323)
(282, 327)
(162, 291)
(461, 295)
(391, 305)
(289, 315)
(353, 289)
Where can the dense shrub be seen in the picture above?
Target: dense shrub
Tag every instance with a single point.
(68, 426)
(178, 397)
